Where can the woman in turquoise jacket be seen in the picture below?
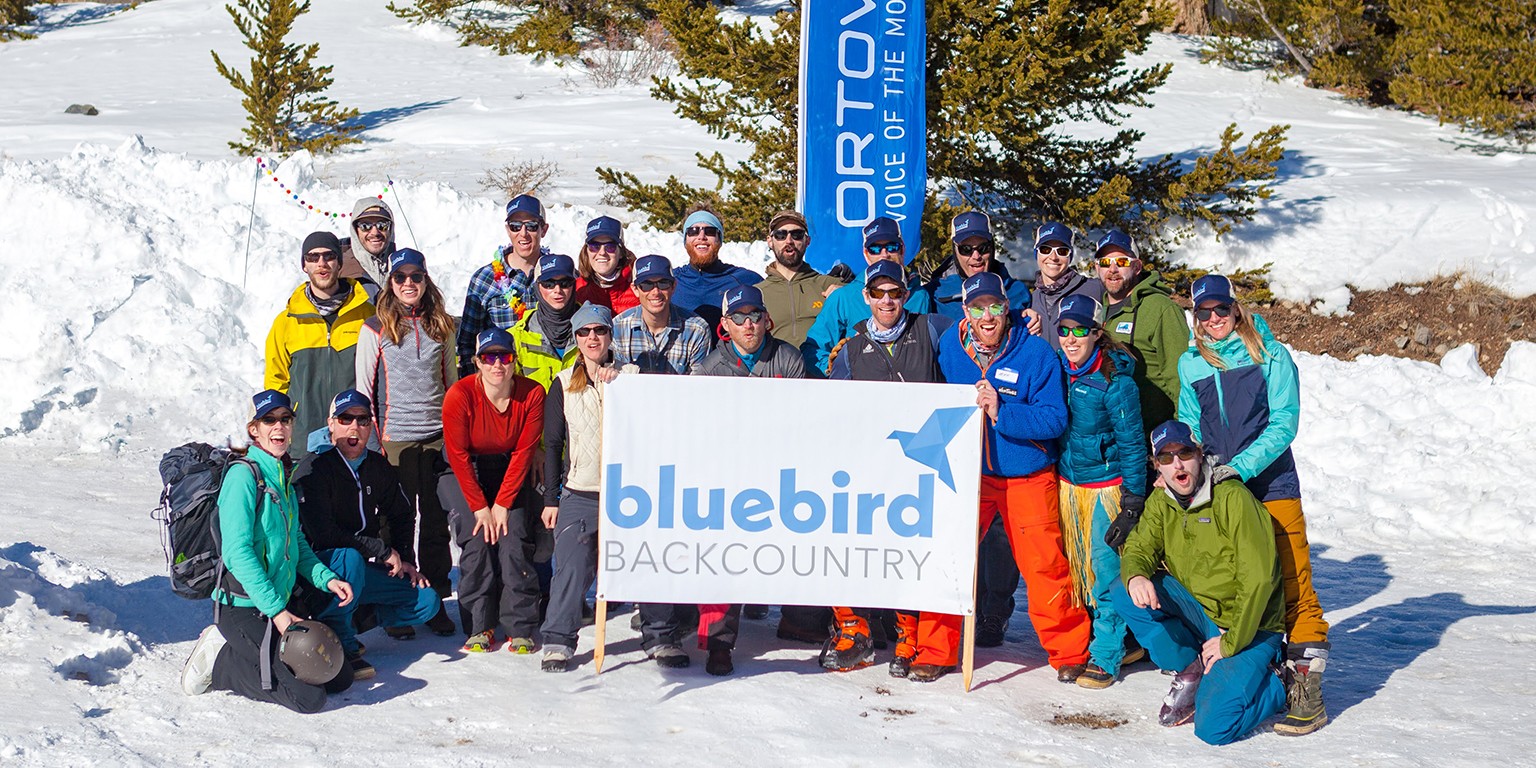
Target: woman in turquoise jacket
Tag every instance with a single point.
(1104, 473)
(1238, 393)
(264, 552)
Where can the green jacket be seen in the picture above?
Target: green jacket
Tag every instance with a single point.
(1222, 549)
(794, 304)
(1156, 331)
(537, 358)
(263, 547)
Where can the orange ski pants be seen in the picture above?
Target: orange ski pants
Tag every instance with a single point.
(1304, 622)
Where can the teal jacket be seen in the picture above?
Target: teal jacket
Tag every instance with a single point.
(263, 547)
(1104, 440)
(1246, 413)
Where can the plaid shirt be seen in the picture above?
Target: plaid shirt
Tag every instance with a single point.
(687, 341)
(486, 306)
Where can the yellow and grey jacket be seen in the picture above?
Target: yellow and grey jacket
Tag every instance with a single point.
(311, 357)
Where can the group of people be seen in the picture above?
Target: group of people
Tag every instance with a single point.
(1142, 486)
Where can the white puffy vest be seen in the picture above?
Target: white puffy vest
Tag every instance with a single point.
(584, 433)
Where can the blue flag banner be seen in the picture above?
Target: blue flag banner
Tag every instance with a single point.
(863, 130)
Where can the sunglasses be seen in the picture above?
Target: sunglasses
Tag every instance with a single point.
(879, 248)
(1079, 332)
(656, 285)
(369, 226)
(700, 229)
(1115, 261)
(885, 293)
(1220, 310)
(346, 420)
(796, 235)
(966, 250)
(315, 257)
(1183, 454)
(564, 283)
(995, 310)
(741, 318)
(283, 420)
(496, 358)
(582, 333)
(401, 278)
(609, 247)
(1059, 250)
(519, 226)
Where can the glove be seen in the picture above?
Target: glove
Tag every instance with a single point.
(1130, 514)
(842, 272)
(1221, 473)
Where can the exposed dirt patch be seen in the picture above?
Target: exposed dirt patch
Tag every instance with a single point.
(1087, 720)
(1421, 321)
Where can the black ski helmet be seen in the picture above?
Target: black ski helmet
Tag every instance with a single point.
(312, 651)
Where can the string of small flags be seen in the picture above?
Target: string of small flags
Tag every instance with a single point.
(271, 171)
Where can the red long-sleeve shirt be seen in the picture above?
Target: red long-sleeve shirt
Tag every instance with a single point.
(473, 427)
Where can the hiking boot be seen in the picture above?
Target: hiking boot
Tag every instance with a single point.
(481, 642)
(1179, 704)
(989, 631)
(197, 675)
(1133, 654)
(927, 673)
(521, 646)
(719, 662)
(791, 631)
(1304, 695)
(361, 669)
(755, 612)
(1069, 673)
(851, 648)
(669, 656)
(1095, 678)
(557, 658)
(900, 666)
(441, 625)
(401, 633)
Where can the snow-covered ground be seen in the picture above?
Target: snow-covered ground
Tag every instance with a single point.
(136, 321)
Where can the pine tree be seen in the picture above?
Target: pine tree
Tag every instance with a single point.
(558, 28)
(1002, 82)
(13, 14)
(284, 100)
(1477, 69)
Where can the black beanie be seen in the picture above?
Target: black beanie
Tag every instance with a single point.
(320, 240)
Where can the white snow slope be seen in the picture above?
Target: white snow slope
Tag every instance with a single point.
(136, 323)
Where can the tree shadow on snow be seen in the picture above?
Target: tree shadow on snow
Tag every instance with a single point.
(1370, 647)
(1279, 215)
(51, 18)
(379, 118)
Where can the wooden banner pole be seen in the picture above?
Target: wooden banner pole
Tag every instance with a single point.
(600, 639)
(968, 660)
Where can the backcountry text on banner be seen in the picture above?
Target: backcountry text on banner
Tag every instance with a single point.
(789, 492)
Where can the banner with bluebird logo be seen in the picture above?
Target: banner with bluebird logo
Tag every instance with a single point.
(863, 130)
(862, 494)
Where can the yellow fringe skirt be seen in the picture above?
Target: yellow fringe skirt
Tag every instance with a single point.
(1077, 507)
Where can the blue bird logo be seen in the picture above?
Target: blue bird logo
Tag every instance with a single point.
(929, 445)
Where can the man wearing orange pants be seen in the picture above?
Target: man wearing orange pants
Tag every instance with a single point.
(1019, 387)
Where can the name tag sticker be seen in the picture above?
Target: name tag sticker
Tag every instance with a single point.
(1008, 374)
(1124, 326)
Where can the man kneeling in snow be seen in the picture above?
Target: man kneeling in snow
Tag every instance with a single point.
(343, 494)
(1217, 612)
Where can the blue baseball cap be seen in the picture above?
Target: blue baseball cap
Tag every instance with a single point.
(406, 256)
(1054, 232)
(525, 204)
(1211, 288)
(555, 266)
(605, 226)
(493, 339)
(970, 224)
(1117, 241)
(882, 230)
(741, 296)
(1083, 310)
(1172, 433)
(348, 399)
(884, 269)
(982, 284)
(652, 267)
(269, 400)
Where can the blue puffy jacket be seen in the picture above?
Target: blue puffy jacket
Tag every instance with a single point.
(947, 298)
(1032, 406)
(1248, 413)
(699, 291)
(844, 309)
(1104, 440)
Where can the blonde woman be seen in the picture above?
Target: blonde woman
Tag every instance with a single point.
(1238, 393)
